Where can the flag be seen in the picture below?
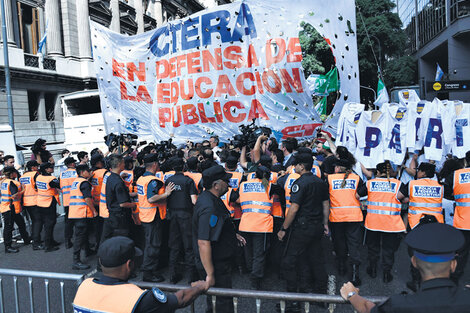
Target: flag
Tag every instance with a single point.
(321, 106)
(42, 42)
(382, 94)
(329, 83)
(439, 73)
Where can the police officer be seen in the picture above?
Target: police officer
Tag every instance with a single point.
(66, 178)
(214, 236)
(81, 211)
(303, 229)
(383, 221)
(28, 184)
(434, 246)
(151, 214)
(118, 202)
(10, 208)
(111, 292)
(180, 211)
(48, 196)
(99, 170)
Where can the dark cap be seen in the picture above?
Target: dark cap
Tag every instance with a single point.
(43, 166)
(231, 161)
(304, 150)
(435, 242)
(343, 163)
(117, 251)
(176, 163)
(150, 158)
(69, 160)
(265, 160)
(95, 158)
(192, 162)
(31, 164)
(82, 167)
(302, 158)
(9, 170)
(214, 173)
(426, 167)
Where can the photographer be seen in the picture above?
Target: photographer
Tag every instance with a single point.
(255, 154)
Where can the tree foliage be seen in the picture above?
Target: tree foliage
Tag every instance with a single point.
(316, 54)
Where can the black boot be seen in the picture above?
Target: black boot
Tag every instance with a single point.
(372, 269)
(153, 278)
(388, 277)
(80, 266)
(355, 279)
(10, 249)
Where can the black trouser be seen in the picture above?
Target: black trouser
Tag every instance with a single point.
(9, 218)
(181, 236)
(68, 225)
(81, 237)
(153, 241)
(30, 210)
(44, 217)
(117, 224)
(304, 255)
(462, 256)
(255, 252)
(277, 248)
(223, 279)
(98, 226)
(390, 244)
(347, 237)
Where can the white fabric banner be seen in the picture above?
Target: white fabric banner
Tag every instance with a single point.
(208, 73)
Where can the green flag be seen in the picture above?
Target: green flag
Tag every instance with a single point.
(328, 82)
(321, 106)
(382, 94)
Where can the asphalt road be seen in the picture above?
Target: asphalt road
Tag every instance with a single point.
(60, 261)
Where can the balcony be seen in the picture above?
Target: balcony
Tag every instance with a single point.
(459, 9)
(31, 60)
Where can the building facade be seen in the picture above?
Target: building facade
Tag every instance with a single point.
(439, 33)
(40, 78)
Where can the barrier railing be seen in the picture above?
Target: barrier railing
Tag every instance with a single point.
(235, 294)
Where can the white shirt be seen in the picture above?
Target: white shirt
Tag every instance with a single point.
(370, 138)
(395, 137)
(457, 127)
(418, 114)
(432, 132)
(347, 122)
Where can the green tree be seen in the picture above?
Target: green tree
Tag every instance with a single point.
(316, 54)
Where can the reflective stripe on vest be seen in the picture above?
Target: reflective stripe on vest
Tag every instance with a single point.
(45, 192)
(66, 179)
(256, 207)
(95, 297)
(147, 210)
(344, 207)
(7, 197)
(425, 198)
(104, 213)
(462, 199)
(30, 194)
(96, 183)
(78, 208)
(382, 212)
(288, 186)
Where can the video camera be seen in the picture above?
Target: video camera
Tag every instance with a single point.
(249, 135)
(113, 140)
(164, 149)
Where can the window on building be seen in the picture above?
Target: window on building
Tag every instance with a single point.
(50, 101)
(28, 20)
(33, 105)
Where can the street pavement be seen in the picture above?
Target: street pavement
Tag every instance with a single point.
(60, 261)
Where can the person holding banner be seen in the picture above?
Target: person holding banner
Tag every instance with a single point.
(346, 216)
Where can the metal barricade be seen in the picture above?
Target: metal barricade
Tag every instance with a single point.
(30, 275)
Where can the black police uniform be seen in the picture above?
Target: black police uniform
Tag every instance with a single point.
(11, 217)
(304, 236)
(118, 222)
(81, 226)
(432, 243)
(212, 222)
(180, 211)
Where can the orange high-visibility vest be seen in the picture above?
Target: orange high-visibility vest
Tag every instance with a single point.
(29, 186)
(315, 170)
(344, 206)
(66, 179)
(256, 207)
(168, 175)
(78, 208)
(104, 213)
(7, 197)
(462, 199)
(425, 198)
(159, 175)
(45, 192)
(147, 210)
(233, 207)
(96, 182)
(272, 178)
(235, 180)
(383, 206)
(99, 298)
(196, 177)
(129, 179)
(287, 188)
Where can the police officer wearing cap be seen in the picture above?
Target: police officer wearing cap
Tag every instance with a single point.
(111, 292)
(214, 236)
(28, 183)
(434, 246)
(303, 228)
(66, 178)
(180, 211)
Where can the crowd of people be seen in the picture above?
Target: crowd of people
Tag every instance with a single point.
(209, 207)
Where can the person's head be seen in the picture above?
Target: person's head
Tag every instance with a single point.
(116, 162)
(434, 247)
(342, 166)
(216, 180)
(426, 170)
(97, 161)
(32, 165)
(324, 148)
(39, 145)
(83, 171)
(263, 173)
(10, 172)
(96, 151)
(70, 162)
(266, 161)
(289, 145)
(129, 163)
(9, 160)
(449, 166)
(214, 141)
(118, 257)
(383, 169)
(193, 153)
(231, 163)
(177, 164)
(46, 168)
(151, 162)
(208, 154)
(192, 163)
(277, 156)
(206, 144)
(343, 153)
(303, 163)
(65, 153)
(83, 157)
